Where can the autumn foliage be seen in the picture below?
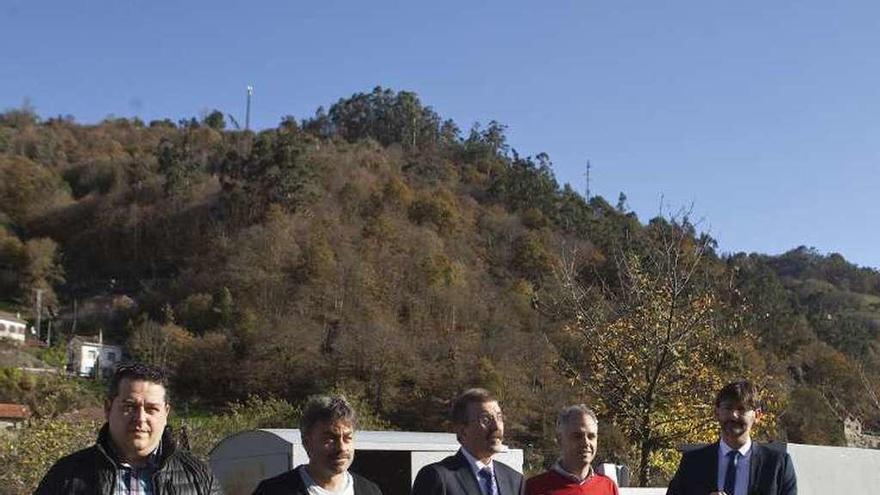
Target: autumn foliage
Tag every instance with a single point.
(376, 248)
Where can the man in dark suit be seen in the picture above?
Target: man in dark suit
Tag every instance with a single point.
(327, 430)
(479, 428)
(735, 465)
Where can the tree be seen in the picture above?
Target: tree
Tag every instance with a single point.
(215, 120)
(320, 125)
(43, 269)
(525, 184)
(385, 116)
(30, 265)
(486, 144)
(621, 202)
(647, 345)
(530, 258)
(29, 189)
(822, 426)
(12, 262)
(159, 344)
(177, 165)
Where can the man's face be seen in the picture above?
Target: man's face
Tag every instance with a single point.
(578, 442)
(483, 434)
(736, 421)
(137, 417)
(330, 446)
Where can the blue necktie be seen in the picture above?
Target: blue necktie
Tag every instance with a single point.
(730, 475)
(488, 482)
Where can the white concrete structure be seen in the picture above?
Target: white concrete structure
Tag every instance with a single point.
(821, 470)
(83, 355)
(390, 458)
(12, 327)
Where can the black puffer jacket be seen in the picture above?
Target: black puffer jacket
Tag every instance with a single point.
(93, 471)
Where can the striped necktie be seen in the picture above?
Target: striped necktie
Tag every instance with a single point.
(487, 481)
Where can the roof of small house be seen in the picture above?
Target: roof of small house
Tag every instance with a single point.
(93, 341)
(11, 317)
(14, 411)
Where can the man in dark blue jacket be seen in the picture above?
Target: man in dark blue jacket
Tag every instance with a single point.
(735, 465)
(479, 427)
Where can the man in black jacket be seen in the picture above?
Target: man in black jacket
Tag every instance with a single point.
(135, 452)
(735, 465)
(327, 430)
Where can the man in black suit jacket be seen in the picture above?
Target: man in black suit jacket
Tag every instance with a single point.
(327, 430)
(479, 427)
(735, 465)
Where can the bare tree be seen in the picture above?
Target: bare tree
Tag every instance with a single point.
(647, 343)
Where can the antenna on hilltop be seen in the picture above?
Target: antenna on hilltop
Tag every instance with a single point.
(587, 182)
(247, 115)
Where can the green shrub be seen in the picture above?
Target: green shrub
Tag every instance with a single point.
(204, 432)
(27, 454)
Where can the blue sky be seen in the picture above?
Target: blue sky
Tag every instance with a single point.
(764, 116)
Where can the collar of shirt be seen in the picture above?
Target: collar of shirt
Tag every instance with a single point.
(742, 467)
(744, 451)
(557, 467)
(152, 461)
(136, 480)
(476, 464)
(313, 487)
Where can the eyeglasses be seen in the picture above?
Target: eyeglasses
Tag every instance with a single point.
(736, 408)
(486, 420)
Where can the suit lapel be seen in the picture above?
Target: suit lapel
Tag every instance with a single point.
(466, 477)
(712, 463)
(502, 481)
(755, 467)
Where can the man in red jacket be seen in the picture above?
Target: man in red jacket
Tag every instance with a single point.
(577, 432)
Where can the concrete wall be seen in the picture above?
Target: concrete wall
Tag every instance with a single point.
(824, 470)
(821, 471)
(244, 459)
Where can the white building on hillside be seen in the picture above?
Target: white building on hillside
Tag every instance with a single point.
(12, 327)
(84, 355)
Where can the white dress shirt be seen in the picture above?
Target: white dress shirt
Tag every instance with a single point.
(476, 466)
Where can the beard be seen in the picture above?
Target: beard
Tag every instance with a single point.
(340, 462)
(495, 442)
(734, 427)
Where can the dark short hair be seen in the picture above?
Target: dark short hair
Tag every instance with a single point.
(329, 408)
(741, 392)
(469, 396)
(137, 371)
(570, 412)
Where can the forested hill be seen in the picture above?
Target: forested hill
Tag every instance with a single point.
(377, 249)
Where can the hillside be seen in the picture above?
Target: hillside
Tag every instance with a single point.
(375, 248)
